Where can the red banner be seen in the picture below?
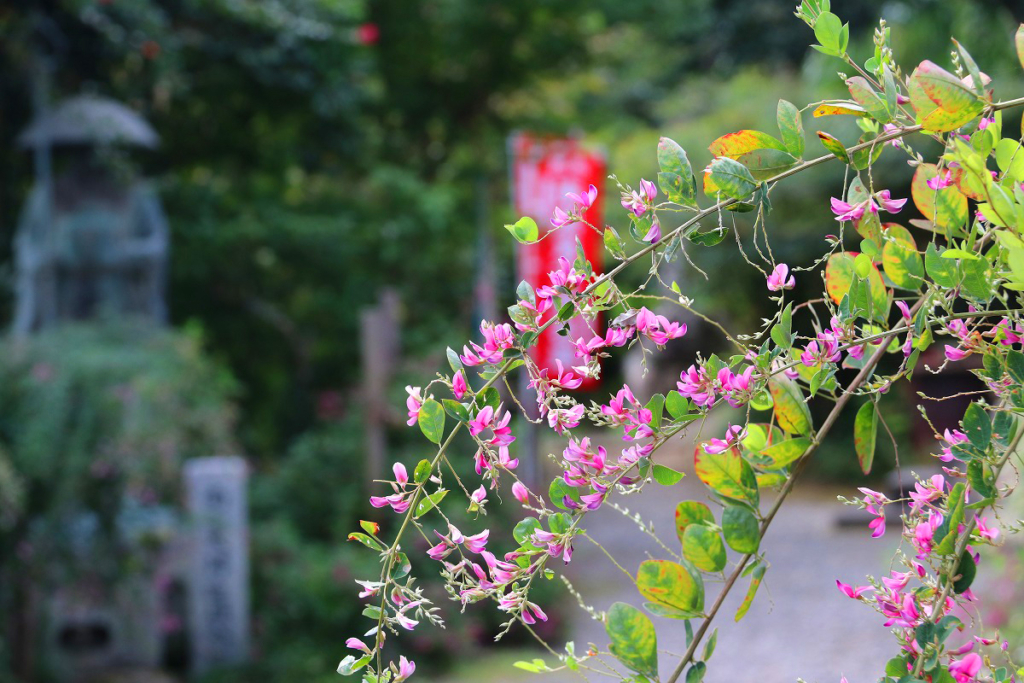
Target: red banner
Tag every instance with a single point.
(543, 171)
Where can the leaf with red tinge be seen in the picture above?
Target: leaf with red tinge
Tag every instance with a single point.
(671, 584)
(942, 101)
(867, 98)
(748, 600)
(791, 412)
(865, 431)
(736, 144)
(727, 474)
(833, 145)
(839, 109)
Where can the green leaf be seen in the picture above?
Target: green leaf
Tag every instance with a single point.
(535, 666)
(524, 230)
(695, 674)
(488, 397)
(691, 512)
(709, 646)
(422, 471)
(732, 178)
(828, 30)
(840, 272)
(741, 530)
(865, 96)
(967, 571)
(431, 420)
(900, 259)
(835, 146)
(1015, 366)
(613, 243)
(782, 331)
(941, 270)
(455, 409)
(1010, 159)
(656, 405)
(748, 599)
(978, 426)
(946, 208)
(676, 176)
(703, 546)
(428, 503)
(791, 412)
(633, 639)
(784, 453)
(765, 164)
(351, 664)
(667, 583)
(400, 566)
(524, 529)
(865, 431)
(369, 542)
(453, 359)
(677, 404)
(727, 474)
(666, 476)
(791, 127)
(559, 490)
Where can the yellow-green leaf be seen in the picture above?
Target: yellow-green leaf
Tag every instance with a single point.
(900, 258)
(791, 412)
(634, 641)
(703, 546)
(671, 584)
(727, 474)
(946, 208)
(865, 430)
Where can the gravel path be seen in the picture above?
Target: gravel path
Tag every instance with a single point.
(800, 625)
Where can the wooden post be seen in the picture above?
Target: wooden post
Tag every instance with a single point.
(378, 340)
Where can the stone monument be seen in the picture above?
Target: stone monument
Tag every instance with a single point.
(92, 241)
(219, 572)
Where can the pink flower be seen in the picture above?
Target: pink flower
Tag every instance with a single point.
(520, 492)
(459, 387)
(478, 496)
(695, 384)
(583, 200)
(401, 476)
(658, 328)
(967, 668)
(955, 354)
(897, 581)
(478, 542)
(565, 418)
(357, 644)
(736, 387)
(405, 669)
(985, 122)
(780, 278)
(820, 351)
(927, 492)
(640, 201)
(887, 203)
(733, 435)
(985, 531)
(952, 438)
(873, 502)
(847, 212)
(654, 233)
(891, 128)
(850, 591)
(940, 181)
(413, 403)
(560, 218)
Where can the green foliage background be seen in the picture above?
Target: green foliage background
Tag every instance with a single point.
(304, 168)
